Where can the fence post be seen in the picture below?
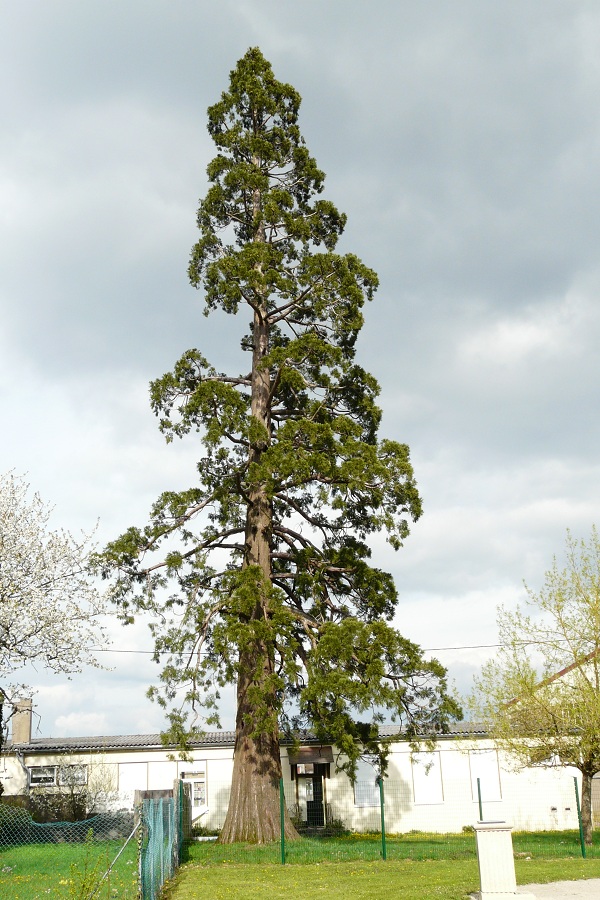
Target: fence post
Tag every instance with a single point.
(382, 805)
(479, 799)
(282, 820)
(138, 819)
(579, 819)
(180, 823)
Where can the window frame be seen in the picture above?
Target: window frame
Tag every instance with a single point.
(34, 773)
(423, 765)
(491, 788)
(61, 782)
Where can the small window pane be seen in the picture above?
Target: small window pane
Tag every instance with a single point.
(70, 776)
(42, 775)
(199, 793)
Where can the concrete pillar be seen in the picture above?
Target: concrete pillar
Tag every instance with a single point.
(21, 722)
(496, 862)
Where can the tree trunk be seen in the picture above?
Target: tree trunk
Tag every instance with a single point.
(253, 814)
(586, 807)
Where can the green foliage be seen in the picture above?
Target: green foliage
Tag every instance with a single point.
(541, 695)
(263, 567)
(86, 876)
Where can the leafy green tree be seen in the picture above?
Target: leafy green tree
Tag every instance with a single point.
(268, 552)
(540, 697)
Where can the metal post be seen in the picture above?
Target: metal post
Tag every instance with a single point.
(479, 799)
(581, 838)
(282, 820)
(180, 809)
(159, 818)
(381, 803)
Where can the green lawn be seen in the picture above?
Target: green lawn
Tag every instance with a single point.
(54, 871)
(410, 880)
(419, 867)
(367, 848)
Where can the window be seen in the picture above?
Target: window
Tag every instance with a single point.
(484, 765)
(427, 778)
(42, 775)
(199, 794)
(71, 776)
(366, 788)
(197, 779)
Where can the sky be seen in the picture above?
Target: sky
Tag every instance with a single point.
(462, 140)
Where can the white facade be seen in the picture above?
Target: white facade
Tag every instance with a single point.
(428, 791)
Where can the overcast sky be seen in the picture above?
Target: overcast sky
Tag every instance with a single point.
(463, 141)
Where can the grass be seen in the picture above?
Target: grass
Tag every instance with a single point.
(53, 871)
(358, 880)
(367, 847)
(419, 867)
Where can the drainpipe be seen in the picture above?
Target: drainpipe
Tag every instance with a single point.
(19, 755)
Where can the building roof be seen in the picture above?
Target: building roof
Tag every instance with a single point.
(208, 739)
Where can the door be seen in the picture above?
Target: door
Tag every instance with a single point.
(197, 781)
(315, 811)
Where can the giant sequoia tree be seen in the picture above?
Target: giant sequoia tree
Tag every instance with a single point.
(259, 574)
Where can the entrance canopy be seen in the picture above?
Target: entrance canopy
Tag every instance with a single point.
(311, 755)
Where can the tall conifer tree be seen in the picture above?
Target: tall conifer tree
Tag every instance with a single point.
(268, 552)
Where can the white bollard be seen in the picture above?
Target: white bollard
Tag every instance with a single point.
(496, 862)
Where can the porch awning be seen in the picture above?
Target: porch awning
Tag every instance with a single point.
(311, 755)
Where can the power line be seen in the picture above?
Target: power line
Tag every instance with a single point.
(424, 649)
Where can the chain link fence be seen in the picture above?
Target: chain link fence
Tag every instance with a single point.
(165, 820)
(160, 844)
(93, 859)
(336, 821)
(17, 828)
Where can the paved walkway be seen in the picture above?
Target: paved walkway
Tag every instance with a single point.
(564, 890)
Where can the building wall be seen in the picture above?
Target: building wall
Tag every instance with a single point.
(434, 792)
(438, 792)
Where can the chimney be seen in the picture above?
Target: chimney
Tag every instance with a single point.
(21, 722)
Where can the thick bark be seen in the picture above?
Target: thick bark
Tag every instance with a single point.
(586, 807)
(253, 814)
(259, 512)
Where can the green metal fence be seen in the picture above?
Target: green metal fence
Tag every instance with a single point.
(381, 810)
(377, 820)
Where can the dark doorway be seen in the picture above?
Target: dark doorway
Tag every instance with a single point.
(315, 811)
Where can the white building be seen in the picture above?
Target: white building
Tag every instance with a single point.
(425, 791)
